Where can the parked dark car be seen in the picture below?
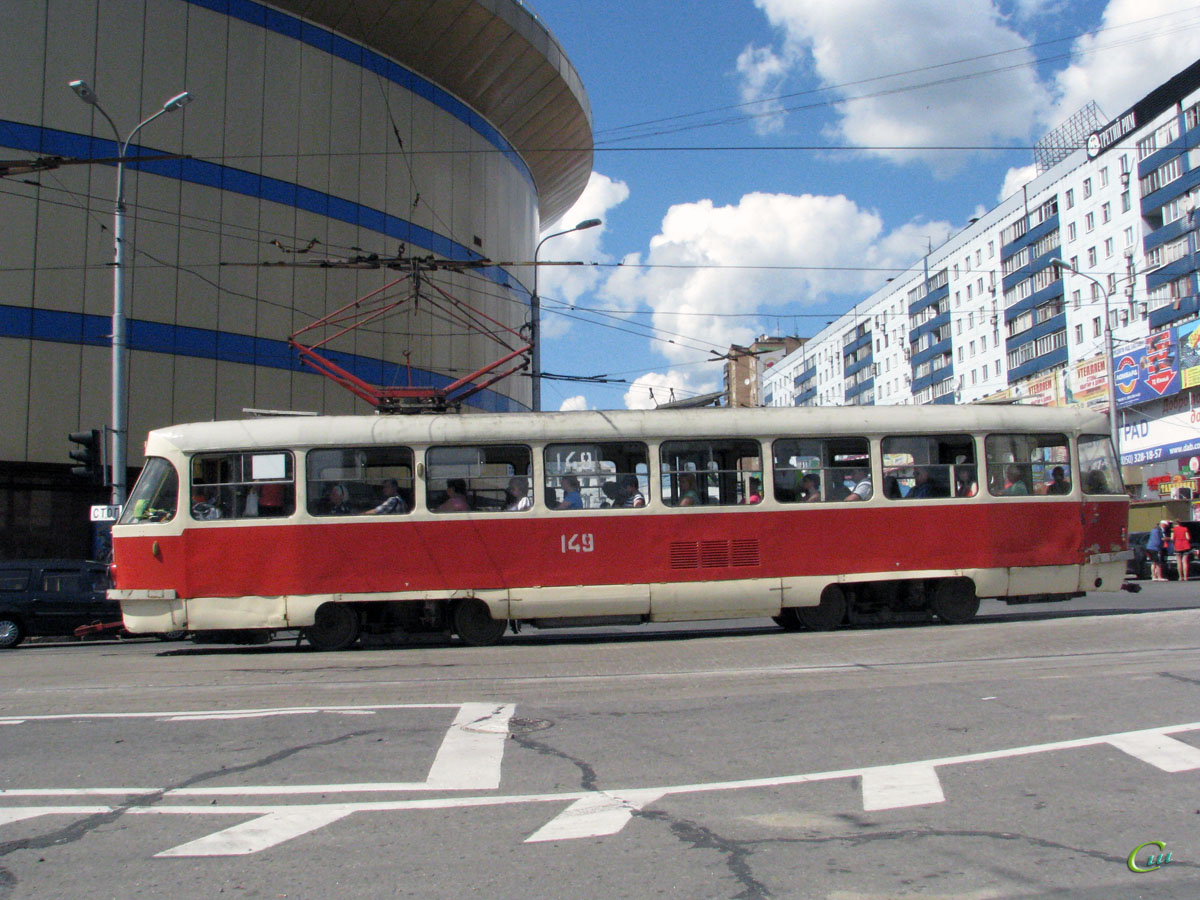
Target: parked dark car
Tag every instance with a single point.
(1139, 566)
(52, 597)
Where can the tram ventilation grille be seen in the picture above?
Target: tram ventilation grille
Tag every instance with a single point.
(713, 554)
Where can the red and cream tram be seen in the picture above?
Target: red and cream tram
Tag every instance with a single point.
(464, 523)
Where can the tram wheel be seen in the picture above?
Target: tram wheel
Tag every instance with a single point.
(788, 619)
(474, 625)
(828, 614)
(954, 601)
(335, 627)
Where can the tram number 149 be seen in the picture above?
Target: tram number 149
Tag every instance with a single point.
(578, 543)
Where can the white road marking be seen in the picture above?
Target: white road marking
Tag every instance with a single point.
(471, 752)
(261, 833)
(19, 814)
(1157, 749)
(893, 787)
(594, 815)
(188, 715)
(77, 792)
(468, 760)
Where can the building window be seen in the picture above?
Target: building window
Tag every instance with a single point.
(1089, 223)
(1106, 211)
(1161, 176)
(1079, 334)
(1096, 329)
(1087, 188)
(1070, 197)
(1124, 201)
(1091, 255)
(1070, 231)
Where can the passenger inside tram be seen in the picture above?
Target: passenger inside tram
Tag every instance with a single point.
(810, 488)
(965, 484)
(456, 497)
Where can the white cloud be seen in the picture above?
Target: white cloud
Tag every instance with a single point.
(924, 37)
(573, 404)
(1138, 41)
(656, 388)
(569, 283)
(763, 74)
(1015, 179)
(768, 249)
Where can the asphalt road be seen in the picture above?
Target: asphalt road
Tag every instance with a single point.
(1024, 755)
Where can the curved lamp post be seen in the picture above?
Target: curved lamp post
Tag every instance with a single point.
(119, 346)
(535, 313)
(1108, 350)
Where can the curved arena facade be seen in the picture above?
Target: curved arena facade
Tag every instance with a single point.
(324, 135)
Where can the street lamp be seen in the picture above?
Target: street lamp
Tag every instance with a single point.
(535, 313)
(1108, 349)
(119, 346)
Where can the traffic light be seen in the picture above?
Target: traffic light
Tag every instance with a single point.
(88, 454)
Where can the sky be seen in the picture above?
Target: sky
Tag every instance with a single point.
(762, 165)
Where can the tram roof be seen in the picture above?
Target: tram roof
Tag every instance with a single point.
(615, 425)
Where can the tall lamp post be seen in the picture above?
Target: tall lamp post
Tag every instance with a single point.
(535, 313)
(1108, 349)
(119, 345)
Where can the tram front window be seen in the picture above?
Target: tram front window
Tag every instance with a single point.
(155, 497)
(1101, 471)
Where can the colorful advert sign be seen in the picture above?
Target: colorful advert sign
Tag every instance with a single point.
(1188, 340)
(1149, 372)
(1088, 384)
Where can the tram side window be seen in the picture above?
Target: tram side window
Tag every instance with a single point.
(1101, 471)
(1028, 464)
(596, 475)
(243, 485)
(820, 470)
(484, 478)
(711, 472)
(929, 466)
(155, 497)
(352, 481)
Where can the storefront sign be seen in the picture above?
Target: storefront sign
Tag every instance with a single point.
(1171, 437)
